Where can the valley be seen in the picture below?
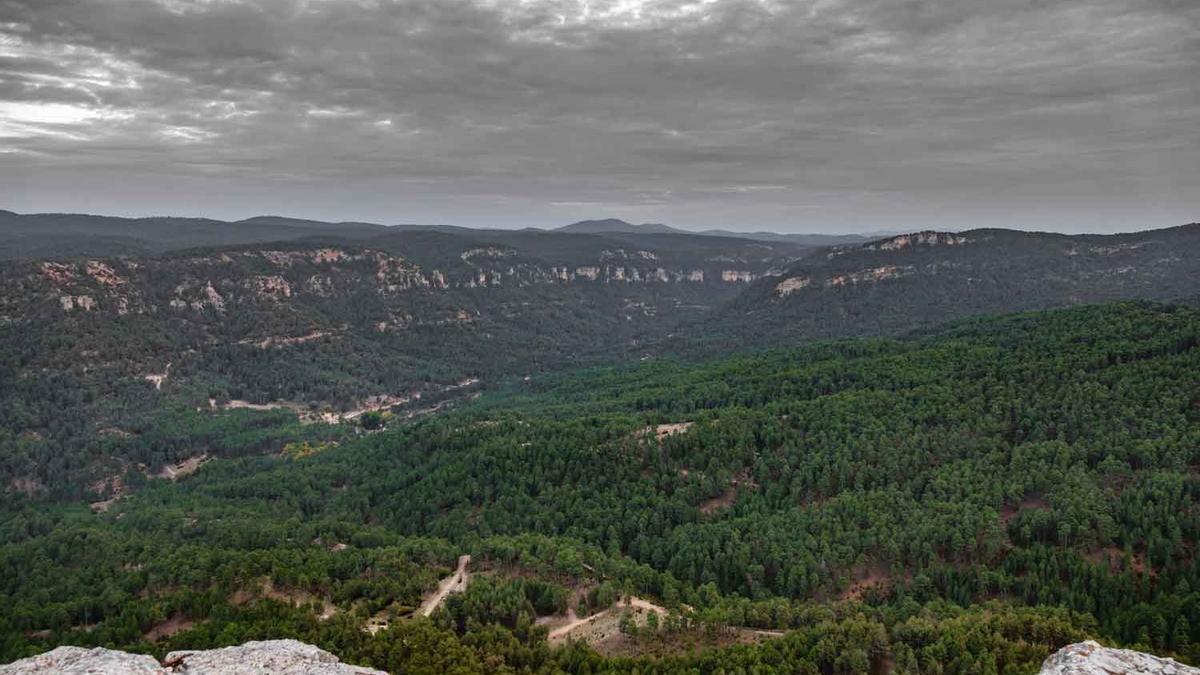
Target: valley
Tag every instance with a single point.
(599, 337)
(607, 452)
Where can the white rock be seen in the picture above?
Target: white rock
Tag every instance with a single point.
(83, 661)
(1090, 658)
(275, 657)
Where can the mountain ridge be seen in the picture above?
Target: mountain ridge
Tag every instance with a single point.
(918, 279)
(35, 235)
(616, 225)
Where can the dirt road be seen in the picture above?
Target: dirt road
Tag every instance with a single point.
(455, 583)
(573, 622)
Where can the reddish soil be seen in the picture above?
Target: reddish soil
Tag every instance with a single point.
(874, 578)
(722, 501)
(169, 627)
(1114, 556)
(1009, 511)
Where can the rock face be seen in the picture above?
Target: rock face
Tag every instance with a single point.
(81, 661)
(1089, 658)
(275, 657)
(292, 657)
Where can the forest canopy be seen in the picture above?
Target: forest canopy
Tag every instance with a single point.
(965, 499)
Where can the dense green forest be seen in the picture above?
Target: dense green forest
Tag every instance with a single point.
(964, 499)
(927, 278)
(117, 366)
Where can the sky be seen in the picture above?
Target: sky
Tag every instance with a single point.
(801, 116)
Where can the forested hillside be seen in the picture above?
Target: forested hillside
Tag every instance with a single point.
(112, 363)
(40, 236)
(962, 500)
(118, 368)
(926, 278)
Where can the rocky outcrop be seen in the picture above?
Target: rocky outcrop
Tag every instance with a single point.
(927, 238)
(226, 281)
(791, 285)
(277, 657)
(292, 657)
(1090, 658)
(81, 661)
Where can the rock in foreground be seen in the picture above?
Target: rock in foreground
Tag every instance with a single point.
(291, 657)
(1090, 658)
(276, 657)
(83, 661)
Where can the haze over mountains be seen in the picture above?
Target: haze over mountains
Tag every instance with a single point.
(56, 234)
(615, 225)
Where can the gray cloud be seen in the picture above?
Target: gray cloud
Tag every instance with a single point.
(816, 115)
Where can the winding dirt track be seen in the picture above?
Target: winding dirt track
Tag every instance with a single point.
(575, 622)
(455, 583)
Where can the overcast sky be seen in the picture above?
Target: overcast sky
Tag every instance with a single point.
(812, 115)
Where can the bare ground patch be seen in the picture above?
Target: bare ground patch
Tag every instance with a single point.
(26, 485)
(1115, 559)
(455, 583)
(157, 379)
(664, 431)
(284, 340)
(171, 626)
(113, 486)
(729, 497)
(1010, 511)
(603, 625)
(186, 467)
(874, 578)
(601, 631)
(379, 621)
(722, 501)
(292, 596)
(374, 403)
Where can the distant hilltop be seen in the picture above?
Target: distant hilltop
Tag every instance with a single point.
(50, 235)
(618, 226)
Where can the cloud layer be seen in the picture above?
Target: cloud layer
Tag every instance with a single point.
(814, 114)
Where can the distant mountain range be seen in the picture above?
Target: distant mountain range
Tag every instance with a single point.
(616, 225)
(61, 235)
(58, 235)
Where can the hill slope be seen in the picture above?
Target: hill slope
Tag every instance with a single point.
(108, 352)
(618, 226)
(968, 499)
(94, 349)
(903, 282)
(58, 235)
(611, 225)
